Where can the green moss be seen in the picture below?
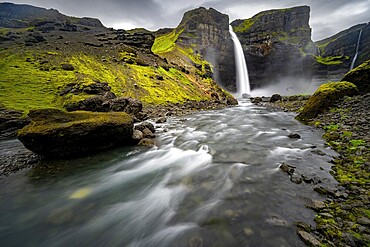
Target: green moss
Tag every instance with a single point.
(331, 60)
(175, 87)
(29, 85)
(360, 76)
(33, 79)
(244, 26)
(166, 42)
(47, 120)
(324, 97)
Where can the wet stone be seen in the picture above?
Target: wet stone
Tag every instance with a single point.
(316, 205)
(296, 178)
(364, 221)
(308, 238)
(294, 136)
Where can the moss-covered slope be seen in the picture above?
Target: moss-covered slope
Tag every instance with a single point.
(39, 62)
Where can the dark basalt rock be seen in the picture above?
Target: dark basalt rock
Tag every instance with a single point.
(275, 97)
(67, 66)
(10, 122)
(208, 29)
(55, 133)
(360, 76)
(107, 103)
(145, 125)
(344, 44)
(294, 136)
(273, 42)
(122, 104)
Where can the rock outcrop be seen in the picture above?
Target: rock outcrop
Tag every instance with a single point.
(275, 44)
(324, 97)
(207, 31)
(336, 53)
(360, 76)
(203, 36)
(55, 133)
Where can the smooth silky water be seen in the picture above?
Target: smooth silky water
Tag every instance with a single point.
(212, 180)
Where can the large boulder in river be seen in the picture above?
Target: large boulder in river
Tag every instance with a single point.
(324, 97)
(57, 133)
(360, 76)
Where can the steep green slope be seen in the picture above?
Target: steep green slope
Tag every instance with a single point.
(39, 63)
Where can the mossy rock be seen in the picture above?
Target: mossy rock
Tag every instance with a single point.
(324, 97)
(56, 133)
(360, 76)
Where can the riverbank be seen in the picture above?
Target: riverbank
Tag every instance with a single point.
(20, 159)
(345, 219)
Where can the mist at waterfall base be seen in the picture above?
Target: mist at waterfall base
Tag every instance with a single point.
(288, 86)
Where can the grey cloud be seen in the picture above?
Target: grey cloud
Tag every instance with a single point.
(326, 15)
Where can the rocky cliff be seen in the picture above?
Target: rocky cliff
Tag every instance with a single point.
(203, 34)
(275, 44)
(336, 53)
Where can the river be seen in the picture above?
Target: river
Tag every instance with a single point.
(213, 179)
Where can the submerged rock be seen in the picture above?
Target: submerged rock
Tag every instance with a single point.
(56, 133)
(294, 136)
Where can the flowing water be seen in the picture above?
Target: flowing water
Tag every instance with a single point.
(357, 48)
(242, 77)
(212, 180)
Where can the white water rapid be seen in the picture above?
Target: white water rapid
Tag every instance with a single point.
(242, 78)
(357, 48)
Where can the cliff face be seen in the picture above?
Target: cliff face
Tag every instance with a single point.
(275, 44)
(207, 30)
(202, 34)
(336, 53)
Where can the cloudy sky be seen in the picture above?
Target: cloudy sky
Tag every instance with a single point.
(327, 16)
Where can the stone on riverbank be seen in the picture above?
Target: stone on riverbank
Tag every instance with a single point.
(324, 97)
(57, 133)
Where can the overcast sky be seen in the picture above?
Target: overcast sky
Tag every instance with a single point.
(327, 16)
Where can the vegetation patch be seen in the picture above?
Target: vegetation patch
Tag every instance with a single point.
(166, 42)
(244, 26)
(331, 60)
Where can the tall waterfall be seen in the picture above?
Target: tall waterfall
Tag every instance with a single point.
(357, 48)
(242, 77)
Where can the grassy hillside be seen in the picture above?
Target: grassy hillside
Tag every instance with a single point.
(32, 76)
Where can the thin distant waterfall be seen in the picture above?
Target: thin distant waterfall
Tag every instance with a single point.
(357, 48)
(242, 77)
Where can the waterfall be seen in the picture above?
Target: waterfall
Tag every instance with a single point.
(357, 48)
(242, 78)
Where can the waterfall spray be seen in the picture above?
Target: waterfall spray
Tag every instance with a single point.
(242, 78)
(357, 48)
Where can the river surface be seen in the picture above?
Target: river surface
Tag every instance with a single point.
(213, 179)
